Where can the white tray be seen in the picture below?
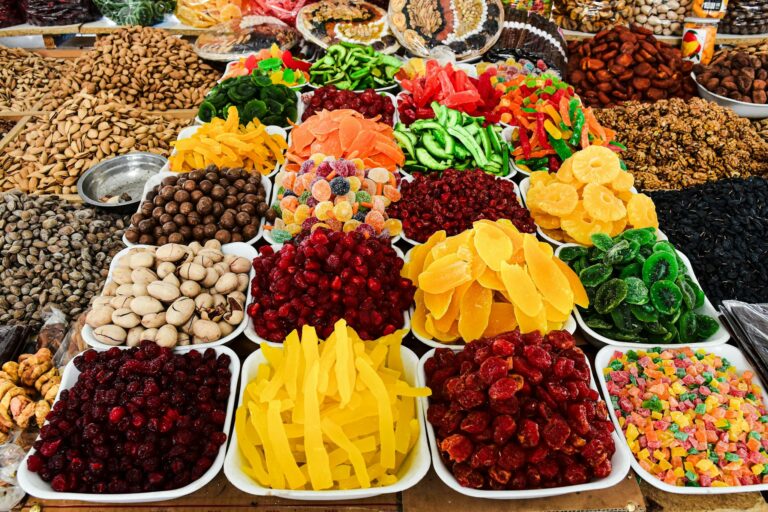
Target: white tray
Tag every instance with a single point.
(299, 112)
(35, 486)
(304, 99)
(737, 359)
(237, 248)
(413, 470)
(158, 178)
(720, 337)
(619, 462)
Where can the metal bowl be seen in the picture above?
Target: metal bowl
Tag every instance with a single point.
(118, 175)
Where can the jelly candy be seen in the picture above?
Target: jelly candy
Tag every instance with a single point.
(342, 211)
(323, 210)
(321, 190)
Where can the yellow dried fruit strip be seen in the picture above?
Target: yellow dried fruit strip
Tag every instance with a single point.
(373, 381)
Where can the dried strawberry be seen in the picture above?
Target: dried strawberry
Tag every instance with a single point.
(453, 387)
(502, 348)
(575, 474)
(561, 340)
(493, 369)
(549, 469)
(508, 406)
(475, 422)
(563, 367)
(468, 477)
(446, 358)
(547, 401)
(484, 436)
(484, 457)
(533, 338)
(470, 399)
(518, 482)
(458, 447)
(504, 427)
(557, 392)
(436, 413)
(481, 354)
(556, 433)
(512, 457)
(537, 357)
(474, 381)
(505, 388)
(532, 477)
(525, 369)
(601, 411)
(450, 421)
(603, 469)
(499, 475)
(528, 433)
(430, 367)
(577, 414)
(538, 454)
(466, 367)
(594, 452)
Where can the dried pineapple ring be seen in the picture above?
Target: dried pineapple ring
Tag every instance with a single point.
(540, 178)
(579, 226)
(596, 164)
(601, 204)
(547, 221)
(558, 199)
(641, 212)
(557, 234)
(619, 226)
(623, 182)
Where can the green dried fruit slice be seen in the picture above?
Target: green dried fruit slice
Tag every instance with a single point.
(668, 337)
(686, 327)
(643, 236)
(645, 313)
(579, 264)
(706, 326)
(645, 252)
(660, 266)
(617, 335)
(598, 322)
(572, 253)
(666, 297)
(206, 112)
(260, 80)
(591, 293)
(689, 296)
(696, 290)
(596, 274)
(602, 241)
(616, 253)
(625, 321)
(637, 292)
(631, 270)
(682, 268)
(664, 246)
(655, 328)
(610, 294)
(673, 318)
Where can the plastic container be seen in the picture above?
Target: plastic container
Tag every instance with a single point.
(620, 461)
(237, 248)
(699, 36)
(592, 16)
(35, 486)
(720, 337)
(741, 108)
(411, 473)
(737, 359)
(715, 9)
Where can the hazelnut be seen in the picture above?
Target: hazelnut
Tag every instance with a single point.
(181, 196)
(223, 236)
(204, 206)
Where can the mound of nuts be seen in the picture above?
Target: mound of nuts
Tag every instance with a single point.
(592, 15)
(736, 75)
(211, 204)
(662, 17)
(624, 64)
(172, 295)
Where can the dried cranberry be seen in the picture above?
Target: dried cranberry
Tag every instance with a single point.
(458, 447)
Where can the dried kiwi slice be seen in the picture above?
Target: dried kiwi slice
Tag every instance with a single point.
(572, 253)
(602, 241)
(645, 313)
(696, 290)
(686, 327)
(631, 270)
(669, 336)
(666, 297)
(598, 322)
(596, 274)
(689, 297)
(610, 294)
(643, 236)
(682, 268)
(706, 326)
(579, 264)
(617, 335)
(637, 292)
(664, 246)
(206, 112)
(616, 254)
(660, 266)
(655, 328)
(625, 321)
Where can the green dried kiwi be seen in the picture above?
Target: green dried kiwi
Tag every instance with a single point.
(206, 112)
(673, 318)
(572, 253)
(643, 236)
(682, 268)
(609, 295)
(598, 322)
(630, 254)
(645, 252)
(625, 321)
(644, 312)
(615, 254)
(631, 270)
(689, 297)
(602, 241)
(660, 266)
(668, 337)
(596, 274)
(291, 112)
(579, 264)
(640, 258)
(696, 290)
(242, 92)
(706, 327)
(637, 292)
(254, 109)
(260, 80)
(666, 297)
(664, 246)
(686, 327)
(617, 335)
(654, 329)
(591, 293)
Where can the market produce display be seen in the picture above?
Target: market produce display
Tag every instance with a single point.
(690, 418)
(589, 194)
(359, 413)
(172, 295)
(327, 276)
(336, 194)
(721, 228)
(344, 134)
(222, 204)
(369, 103)
(354, 67)
(453, 200)
(251, 147)
(702, 142)
(640, 290)
(736, 75)
(28, 387)
(518, 412)
(458, 279)
(279, 65)
(256, 99)
(135, 12)
(137, 431)
(54, 254)
(25, 77)
(453, 140)
(80, 133)
(330, 22)
(265, 36)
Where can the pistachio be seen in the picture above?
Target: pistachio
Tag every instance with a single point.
(99, 316)
(125, 318)
(227, 283)
(146, 305)
(206, 331)
(180, 311)
(110, 334)
(167, 336)
(165, 292)
(153, 320)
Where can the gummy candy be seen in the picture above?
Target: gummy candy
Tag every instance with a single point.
(379, 175)
(323, 210)
(321, 190)
(342, 211)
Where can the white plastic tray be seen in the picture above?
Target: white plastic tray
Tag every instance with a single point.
(304, 100)
(741, 108)
(299, 112)
(237, 248)
(619, 462)
(720, 337)
(737, 359)
(158, 178)
(35, 486)
(413, 470)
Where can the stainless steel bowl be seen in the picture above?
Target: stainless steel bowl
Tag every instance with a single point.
(118, 175)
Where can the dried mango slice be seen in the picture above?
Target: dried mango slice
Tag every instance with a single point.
(419, 317)
(474, 312)
(445, 322)
(492, 245)
(438, 303)
(601, 203)
(448, 336)
(419, 254)
(623, 182)
(536, 322)
(552, 284)
(444, 274)
(521, 289)
(452, 244)
(558, 199)
(490, 279)
(580, 297)
(502, 319)
(596, 164)
(641, 212)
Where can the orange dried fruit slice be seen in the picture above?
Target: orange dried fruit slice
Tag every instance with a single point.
(601, 203)
(539, 178)
(596, 164)
(623, 182)
(448, 336)
(547, 221)
(556, 234)
(490, 279)
(451, 244)
(558, 199)
(528, 323)
(419, 255)
(580, 226)
(437, 303)
(553, 314)
(619, 226)
(445, 322)
(419, 317)
(521, 289)
(444, 274)
(502, 319)
(552, 284)
(474, 312)
(492, 245)
(580, 297)
(641, 212)
(625, 195)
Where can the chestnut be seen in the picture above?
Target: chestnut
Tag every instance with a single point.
(146, 226)
(189, 186)
(210, 230)
(223, 236)
(181, 196)
(146, 239)
(196, 195)
(186, 208)
(204, 205)
(193, 219)
(198, 232)
(167, 192)
(132, 235)
(176, 238)
(242, 219)
(195, 175)
(166, 217)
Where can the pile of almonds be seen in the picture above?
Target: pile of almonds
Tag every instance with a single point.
(142, 67)
(52, 152)
(25, 77)
(627, 64)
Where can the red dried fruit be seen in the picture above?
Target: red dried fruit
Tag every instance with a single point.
(533, 338)
(562, 340)
(563, 367)
(530, 373)
(493, 369)
(508, 406)
(594, 452)
(470, 399)
(453, 388)
(505, 388)
(481, 354)
(538, 357)
(457, 447)
(603, 469)
(556, 433)
(499, 474)
(549, 469)
(468, 477)
(577, 414)
(512, 457)
(518, 482)
(528, 433)
(475, 422)
(557, 392)
(504, 427)
(502, 347)
(575, 474)
(436, 413)
(538, 454)
(451, 420)
(484, 457)
(532, 477)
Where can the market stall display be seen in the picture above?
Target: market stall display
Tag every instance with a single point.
(279, 65)
(25, 77)
(208, 13)
(329, 22)
(246, 36)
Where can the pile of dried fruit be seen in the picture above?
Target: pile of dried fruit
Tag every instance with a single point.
(256, 98)
(52, 152)
(737, 75)
(369, 103)
(690, 418)
(139, 66)
(327, 276)
(639, 290)
(453, 200)
(762, 128)
(278, 65)
(488, 280)
(337, 194)
(589, 194)
(517, 412)
(354, 67)
(675, 144)
(358, 427)
(25, 77)
(722, 228)
(136, 420)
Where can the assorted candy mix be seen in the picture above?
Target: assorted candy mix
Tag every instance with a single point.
(589, 194)
(690, 418)
(337, 194)
(278, 65)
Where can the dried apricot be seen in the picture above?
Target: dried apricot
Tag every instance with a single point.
(474, 312)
